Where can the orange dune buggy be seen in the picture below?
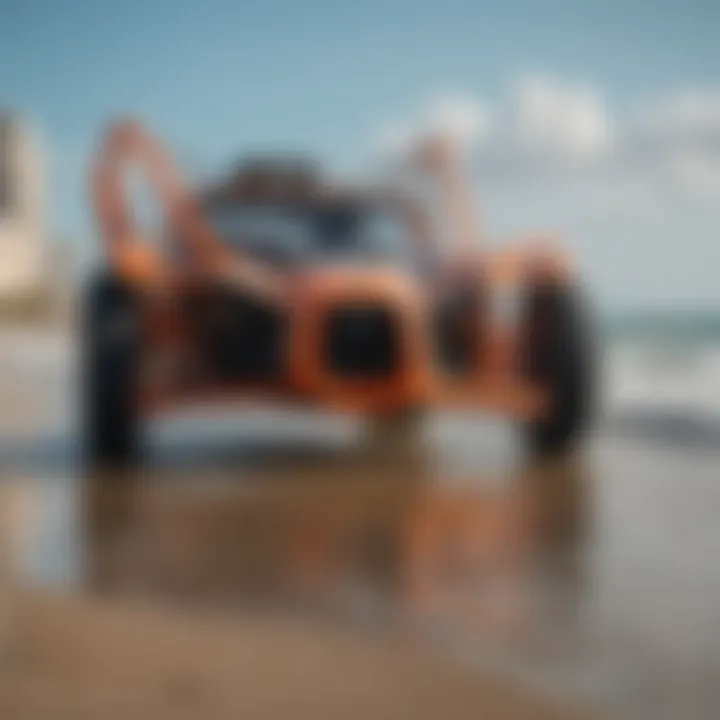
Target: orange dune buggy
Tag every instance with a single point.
(274, 284)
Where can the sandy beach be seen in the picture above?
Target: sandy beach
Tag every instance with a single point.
(464, 581)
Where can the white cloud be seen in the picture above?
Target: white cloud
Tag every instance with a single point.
(559, 121)
(691, 114)
(467, 120)
(549, 128)
(458, 116)
(679, 138)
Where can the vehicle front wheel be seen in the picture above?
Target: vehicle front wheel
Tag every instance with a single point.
(111, 348)
(558, 355)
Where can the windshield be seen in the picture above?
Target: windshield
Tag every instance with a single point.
(293, 234)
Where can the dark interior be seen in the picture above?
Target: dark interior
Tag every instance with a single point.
(361, 341)
(239, 338)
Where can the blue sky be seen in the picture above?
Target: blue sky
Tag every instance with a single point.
(215, 77)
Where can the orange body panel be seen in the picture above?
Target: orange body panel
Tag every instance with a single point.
(318, 292)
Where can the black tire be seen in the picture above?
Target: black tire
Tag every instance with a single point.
(111, 350)
(559, 355)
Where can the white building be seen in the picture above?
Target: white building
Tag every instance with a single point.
(21, 210)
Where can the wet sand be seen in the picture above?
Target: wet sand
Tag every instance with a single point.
(85, 659)
(463, 571)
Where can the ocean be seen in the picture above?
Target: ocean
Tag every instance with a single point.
(662, 363)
